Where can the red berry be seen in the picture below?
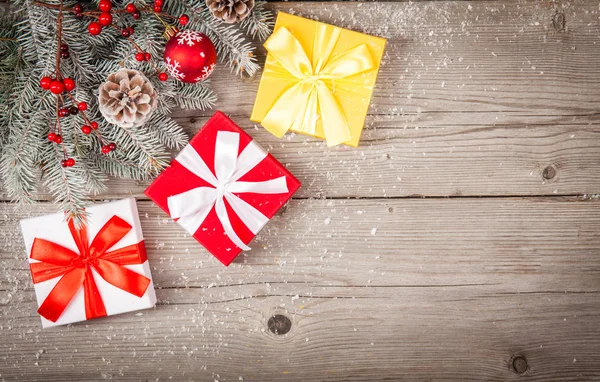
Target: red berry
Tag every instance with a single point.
(105, 5)
(70, 162)
(131, 30)
(63, 112)
(78, 8)
(45, 82)
(58, 139)
(94, 125)
(136, 15)
(158, 3)
(86, 129)
(82, 106)
(64, 47)
(64, 163)
(125, 33)
(163, 76)
(112, 146)
(140, 56)
(94, 28)
(52, 137)
(105, 19)
(105, 149)
(69, 84)
(157, 9)
(73, 110)
(147, 56)
(57, 87)
(184, 19)
(64, 54)
(131, 8)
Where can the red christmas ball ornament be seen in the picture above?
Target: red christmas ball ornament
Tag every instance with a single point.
(105, 19)
(105, 5)
(57, 87)
(190, 56)
(69, 84)
(45, 83)
(94, 28)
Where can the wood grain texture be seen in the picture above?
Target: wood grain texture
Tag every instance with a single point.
(493, 104)
(473, 98)
(441, 289)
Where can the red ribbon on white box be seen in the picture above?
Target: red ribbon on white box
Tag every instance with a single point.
(193, 206)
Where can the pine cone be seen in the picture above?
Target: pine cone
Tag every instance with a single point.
(127, 98)
(230, 11)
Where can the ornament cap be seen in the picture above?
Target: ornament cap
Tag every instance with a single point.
(170, 31)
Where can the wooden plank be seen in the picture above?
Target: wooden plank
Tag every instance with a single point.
(474, 98)
(466, 62)
(453, 161)
(374, 289)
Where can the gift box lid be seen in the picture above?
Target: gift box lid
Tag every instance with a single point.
(177, 179)
(353, 94)
(54, 228)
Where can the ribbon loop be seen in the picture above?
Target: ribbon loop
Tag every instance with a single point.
(193, 206)
(311, 97)
(75, 270)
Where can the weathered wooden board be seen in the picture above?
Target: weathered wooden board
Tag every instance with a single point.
(480, 98)
(374, 289)
(473, 98)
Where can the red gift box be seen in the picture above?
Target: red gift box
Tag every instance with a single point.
(223, 188)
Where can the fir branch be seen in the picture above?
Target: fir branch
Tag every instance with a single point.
(260, 22)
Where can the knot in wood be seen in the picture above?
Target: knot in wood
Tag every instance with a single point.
(549, 172)
(558, 21)
(519, 364)
(279, 324)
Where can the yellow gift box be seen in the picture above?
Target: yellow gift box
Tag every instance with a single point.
(318, 80)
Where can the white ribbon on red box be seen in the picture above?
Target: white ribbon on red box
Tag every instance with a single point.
(193, 206)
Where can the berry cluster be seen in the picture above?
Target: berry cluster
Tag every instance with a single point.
(60, 86)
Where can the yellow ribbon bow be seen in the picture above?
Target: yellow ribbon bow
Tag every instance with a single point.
(314, 84)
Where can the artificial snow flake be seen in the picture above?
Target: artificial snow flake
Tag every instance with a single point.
(188, 37)
(206, 71)
(173, 68)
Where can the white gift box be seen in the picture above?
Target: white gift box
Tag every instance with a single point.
(54, 228)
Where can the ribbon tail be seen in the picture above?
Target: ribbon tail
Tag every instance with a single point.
(252, 218)
(335, 124)
(61, 295)
(94, 306)
(306, 121)
(290, 106)
(121, 277)
(226, 223)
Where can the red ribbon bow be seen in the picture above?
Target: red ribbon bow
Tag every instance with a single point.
(76, 269)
